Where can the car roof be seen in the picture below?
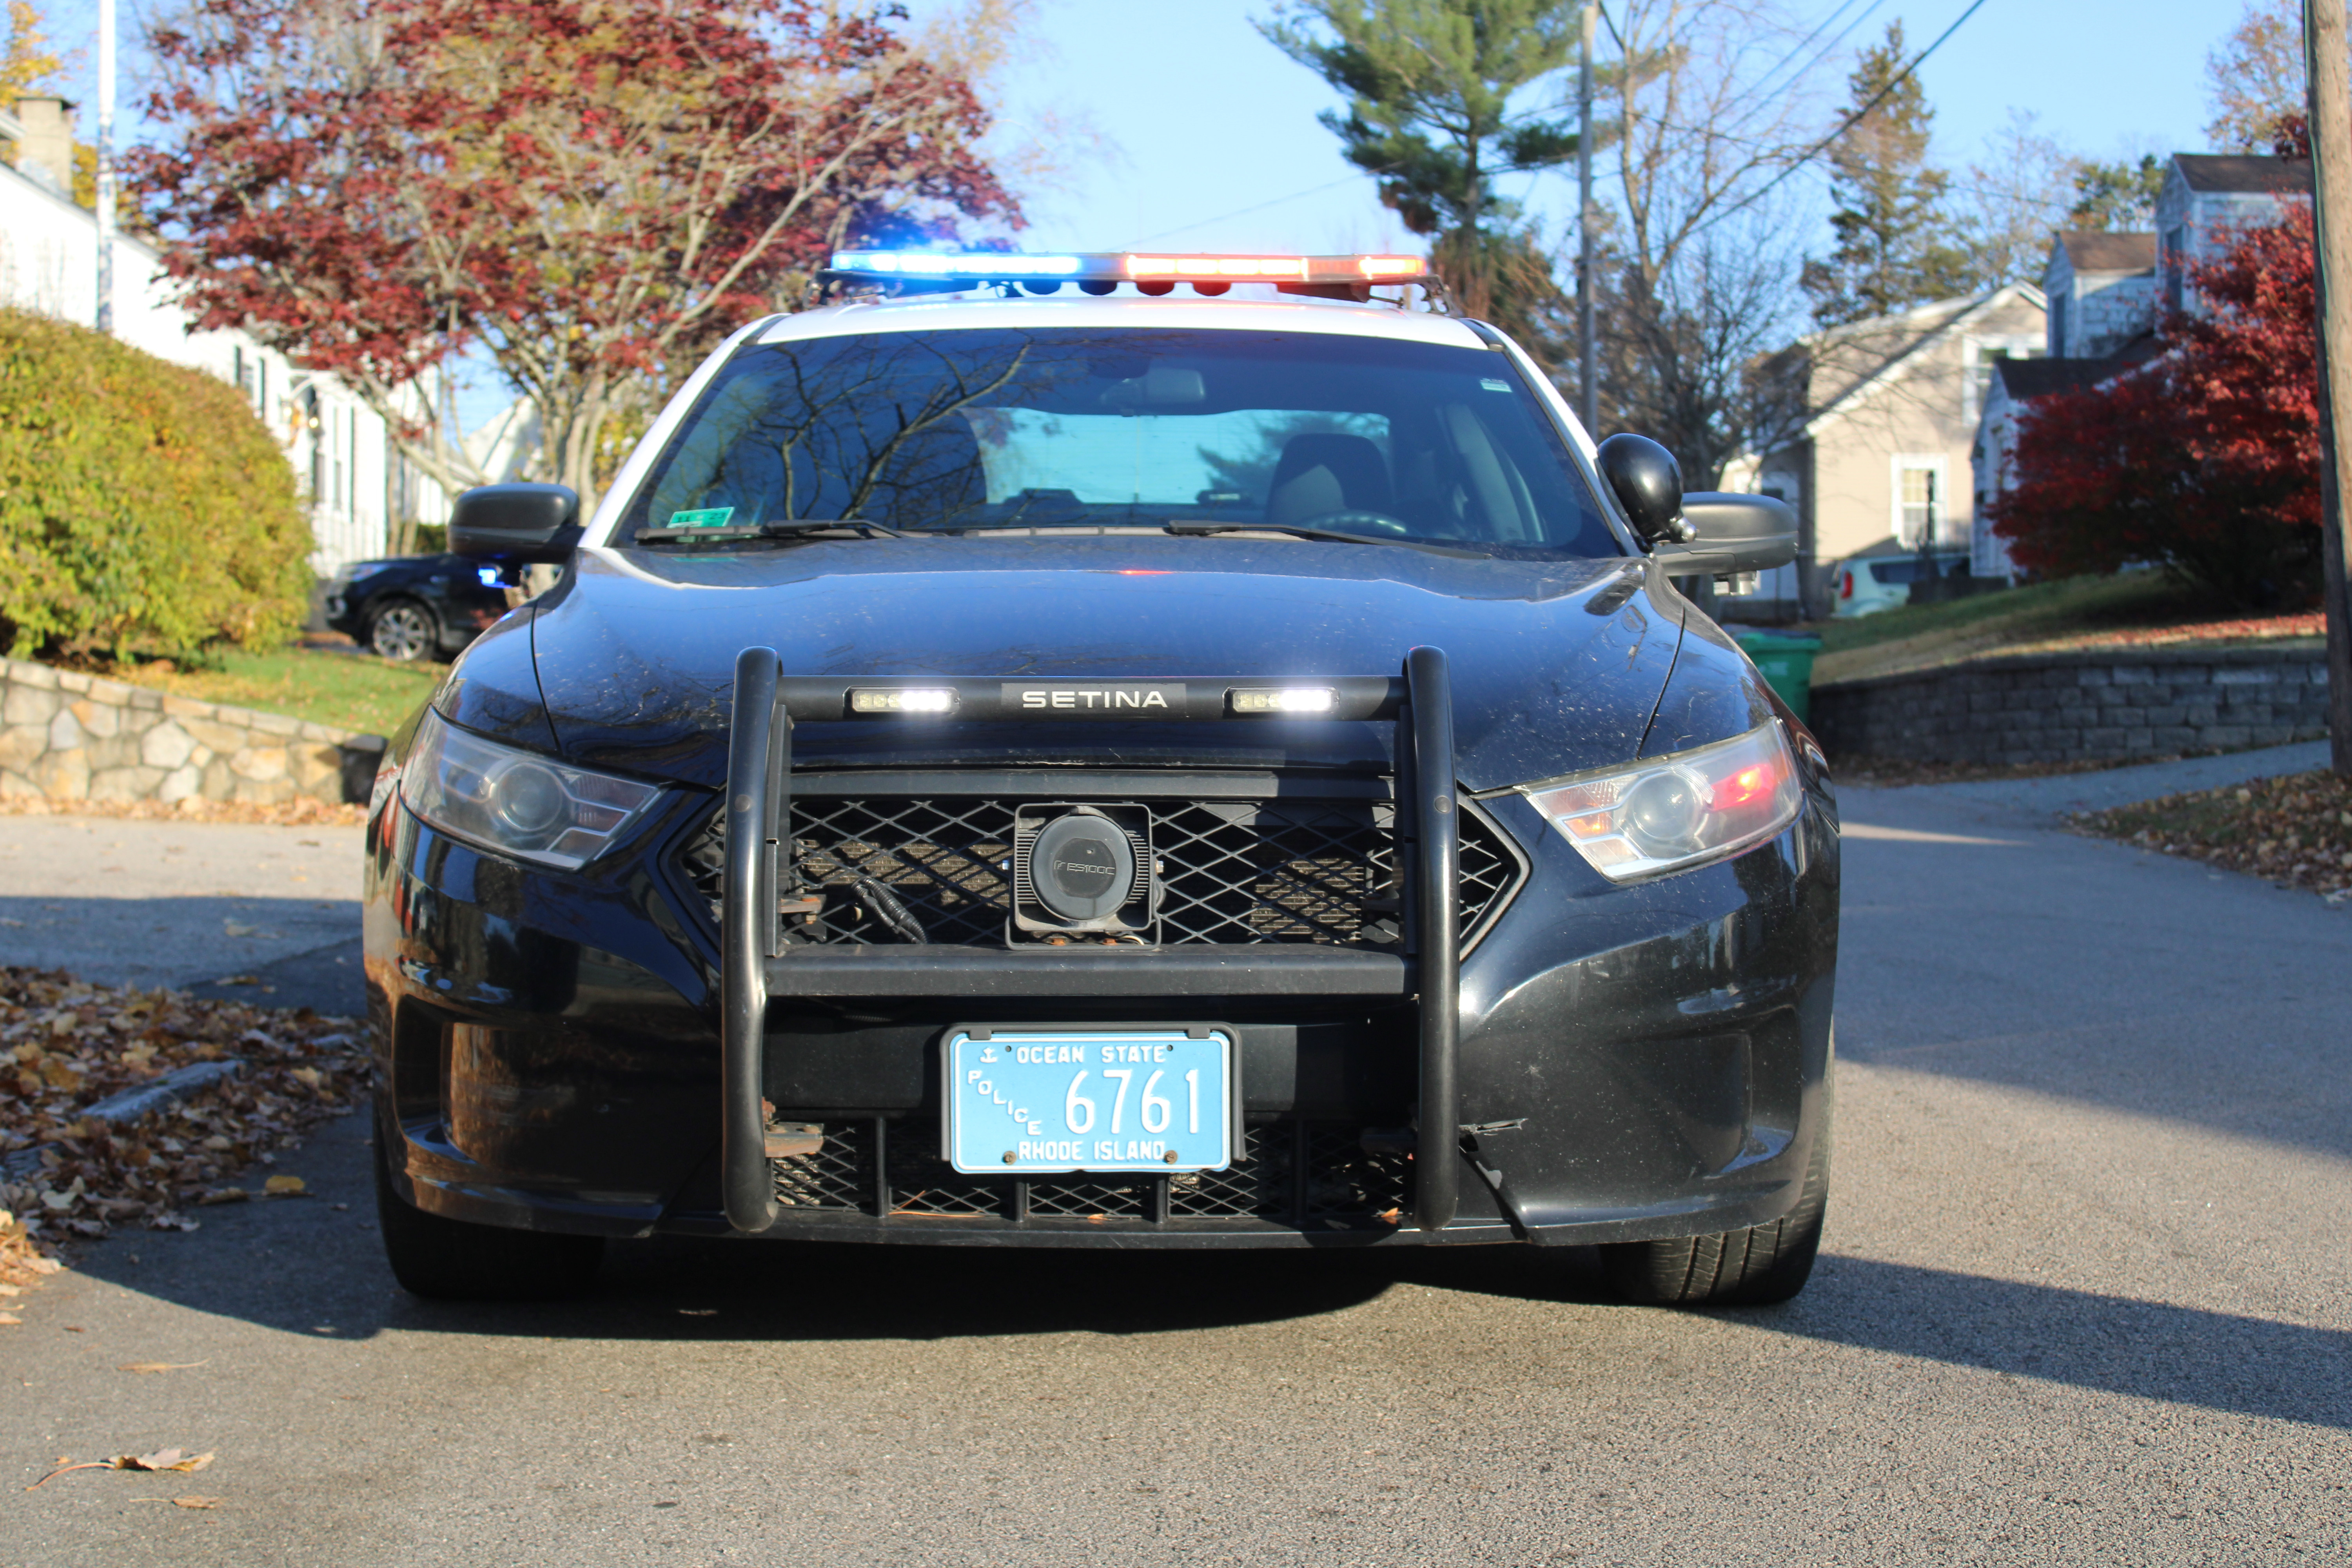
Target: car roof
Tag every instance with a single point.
(935, 312)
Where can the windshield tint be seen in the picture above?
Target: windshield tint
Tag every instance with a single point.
(1044, 427)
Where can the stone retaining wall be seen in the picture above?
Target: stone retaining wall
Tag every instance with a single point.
(76, 737)
(2071, 707)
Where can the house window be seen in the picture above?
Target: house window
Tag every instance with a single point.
(1919, 503)
(2173, 256)
(2058, 303)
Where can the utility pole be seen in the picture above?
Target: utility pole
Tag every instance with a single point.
(106, 166)
(1587, 379)
(2326, 66)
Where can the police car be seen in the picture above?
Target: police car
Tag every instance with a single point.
(1110, 751)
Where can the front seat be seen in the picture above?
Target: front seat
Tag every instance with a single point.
(1323, 473)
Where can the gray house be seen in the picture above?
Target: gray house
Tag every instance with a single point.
(2102, 289)
(2107, 292)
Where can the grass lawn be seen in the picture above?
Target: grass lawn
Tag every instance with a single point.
(343, 691)
(2134, 606)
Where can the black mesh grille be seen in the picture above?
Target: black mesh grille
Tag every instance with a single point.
(1342, 1184)
(1229, 872)
(1260, 1187)
(839, 1175)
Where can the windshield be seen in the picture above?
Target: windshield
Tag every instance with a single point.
(1072, 426)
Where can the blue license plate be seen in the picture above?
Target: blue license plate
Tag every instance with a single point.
(1089, 1100)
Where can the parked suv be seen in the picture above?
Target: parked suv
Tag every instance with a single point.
(1868, 582)
(1109, 771)
(414, 606)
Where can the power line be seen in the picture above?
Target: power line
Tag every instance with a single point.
(1806, 42)
(1316, 190)
(1848, 123)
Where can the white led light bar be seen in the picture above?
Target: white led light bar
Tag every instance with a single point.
(902, 699)
(1295, 699)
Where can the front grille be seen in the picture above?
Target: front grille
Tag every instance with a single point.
(1296, 1173)
(1229, 872)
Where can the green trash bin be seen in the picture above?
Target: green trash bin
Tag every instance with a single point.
(1787, 665)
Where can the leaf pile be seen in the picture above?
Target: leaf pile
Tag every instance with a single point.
(2295, 830)
(65, 1045)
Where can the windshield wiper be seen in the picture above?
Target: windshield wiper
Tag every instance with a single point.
(1296, 531)
(787, 528)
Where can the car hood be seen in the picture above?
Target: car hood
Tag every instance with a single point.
(1556, 665)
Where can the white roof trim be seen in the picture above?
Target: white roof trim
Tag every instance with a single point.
(1901, 365)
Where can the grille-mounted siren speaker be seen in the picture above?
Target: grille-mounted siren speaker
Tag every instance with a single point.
(1083, 868)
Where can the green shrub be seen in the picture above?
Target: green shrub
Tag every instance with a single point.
(144, 508)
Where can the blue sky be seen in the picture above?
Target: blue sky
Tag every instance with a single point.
(1205, 121)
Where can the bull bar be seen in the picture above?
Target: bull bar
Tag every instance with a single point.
(756, 965)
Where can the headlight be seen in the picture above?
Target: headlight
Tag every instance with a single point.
(517, 803)
(1673, 813)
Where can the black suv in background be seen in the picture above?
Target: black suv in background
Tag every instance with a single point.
(414, 606)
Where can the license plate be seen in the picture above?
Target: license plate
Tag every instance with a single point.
(1089, 1100)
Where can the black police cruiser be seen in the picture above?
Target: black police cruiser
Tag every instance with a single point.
(1020, 757)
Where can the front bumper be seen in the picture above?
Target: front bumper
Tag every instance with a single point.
(1631, 1062)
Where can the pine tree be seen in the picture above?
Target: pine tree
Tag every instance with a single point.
(1428, 86)
(2119, 196)
(1895, 246)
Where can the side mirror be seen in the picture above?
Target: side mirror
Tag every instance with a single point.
(1649, 485)
(516, 524)
(1727, 535)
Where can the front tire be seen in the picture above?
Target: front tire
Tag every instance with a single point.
(403, 631)
(446, 1259)
(1752, 1268)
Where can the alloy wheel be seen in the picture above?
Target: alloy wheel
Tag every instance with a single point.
(401, 632)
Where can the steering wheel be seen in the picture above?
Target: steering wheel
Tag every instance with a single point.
(1357, 522)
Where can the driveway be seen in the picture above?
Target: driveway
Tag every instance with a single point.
(273, 912)
(2083, 1300)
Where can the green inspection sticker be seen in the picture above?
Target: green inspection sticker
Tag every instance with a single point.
(707, 517)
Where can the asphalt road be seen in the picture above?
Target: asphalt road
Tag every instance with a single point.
(2084, 1301)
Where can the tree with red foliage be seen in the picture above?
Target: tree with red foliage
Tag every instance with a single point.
(590, 192)
(2205, 460)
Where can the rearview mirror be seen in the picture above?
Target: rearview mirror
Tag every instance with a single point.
(1730, 534)
(516, 524)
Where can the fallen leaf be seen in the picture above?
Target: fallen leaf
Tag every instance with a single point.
(285, 1186)
(235, 928)
(239, 979)
(160, 1365)
(197, 1501)
(59, 1075)
(222, 1195)
(6, 1318)
(161, 1459)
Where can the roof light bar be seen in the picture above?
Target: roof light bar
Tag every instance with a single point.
(1124, 267)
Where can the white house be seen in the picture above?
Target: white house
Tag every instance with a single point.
(49, 262)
